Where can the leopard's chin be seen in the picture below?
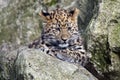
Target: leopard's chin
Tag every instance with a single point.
(65, 45)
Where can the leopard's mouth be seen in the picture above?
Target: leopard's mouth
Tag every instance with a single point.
(58, 43)
(64, 45)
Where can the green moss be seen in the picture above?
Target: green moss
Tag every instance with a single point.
(115, 35)
(99, 52)
(53, 2)
(100, 47)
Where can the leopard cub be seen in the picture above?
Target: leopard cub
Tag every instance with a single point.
(60, 36)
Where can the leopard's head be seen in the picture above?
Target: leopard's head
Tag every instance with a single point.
(60, 27)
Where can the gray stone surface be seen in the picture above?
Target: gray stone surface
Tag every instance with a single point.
(31, 64)
(3, 3)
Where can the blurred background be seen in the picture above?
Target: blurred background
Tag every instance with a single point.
(98, 20)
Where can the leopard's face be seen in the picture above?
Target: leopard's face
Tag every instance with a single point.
(60, 29)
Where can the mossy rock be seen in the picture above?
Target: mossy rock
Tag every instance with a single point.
(98, 48)
(114, 35)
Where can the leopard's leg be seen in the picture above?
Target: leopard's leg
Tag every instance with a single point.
(35, 44)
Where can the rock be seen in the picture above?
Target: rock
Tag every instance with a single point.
(3, 3)
(113, 35)
(19, 22)
(103, 39)
(32, 64)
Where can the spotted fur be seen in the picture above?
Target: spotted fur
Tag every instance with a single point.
(60, 36)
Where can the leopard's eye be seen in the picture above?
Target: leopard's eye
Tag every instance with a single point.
(69, 28)
(68, 25)
(58, 29)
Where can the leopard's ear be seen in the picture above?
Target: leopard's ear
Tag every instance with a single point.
(45, 15)
(74, 13)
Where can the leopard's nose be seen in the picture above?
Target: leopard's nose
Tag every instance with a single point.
(64, 37)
